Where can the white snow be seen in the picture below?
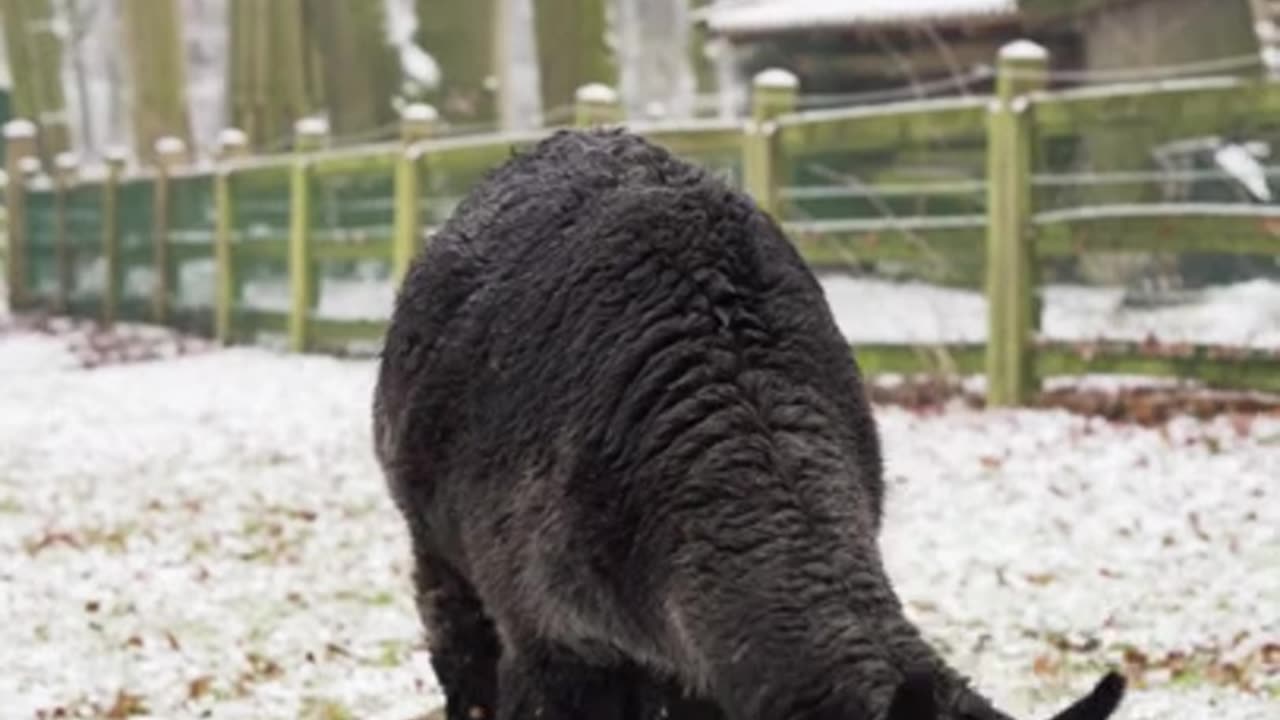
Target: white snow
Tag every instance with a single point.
(776, 79)
(20, 128)
(873, 310)
(170, 145)
(1023, 50)
(313, 126)
(419, 112)
(65, 161)
(212, 534)
(219, 517)
(596, 93)
(741, 16)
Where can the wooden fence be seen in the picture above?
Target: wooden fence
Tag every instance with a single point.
(124, 242)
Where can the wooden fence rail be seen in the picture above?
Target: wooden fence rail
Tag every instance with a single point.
(319, 207)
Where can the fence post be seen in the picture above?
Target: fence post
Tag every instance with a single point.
(596, 104)
(773, 93)
(170, 152)
(64, 177)
(20, 144)
(1010, 262)
(310, 134)
(232, 144)
(113, 282)
(417, 122)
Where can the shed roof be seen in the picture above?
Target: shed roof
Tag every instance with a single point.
(731, 17)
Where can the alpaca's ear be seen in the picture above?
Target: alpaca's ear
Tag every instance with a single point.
(1099, 703)
(914, 699)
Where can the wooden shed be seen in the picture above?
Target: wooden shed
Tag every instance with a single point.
(948, 46)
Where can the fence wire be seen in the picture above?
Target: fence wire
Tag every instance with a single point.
(354, 210)
(136, 280)
(40, 252)
(259, 251)
(86, 263)
(191, 267)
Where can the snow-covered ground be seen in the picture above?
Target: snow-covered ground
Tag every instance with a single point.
(873, 310)
(208, 536)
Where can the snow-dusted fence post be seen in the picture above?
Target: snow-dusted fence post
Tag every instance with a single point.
(170, 152)
(232, 144)
(65, 167)
(113, 280)
(773, 93)
(310, 134)
(596, 104)
(1010, 288)
(20, 152)
(418, 122)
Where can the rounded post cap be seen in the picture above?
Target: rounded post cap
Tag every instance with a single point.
(1024, 51)
(314, 126)
(232, 137)
(419, 113)
(776, 79)
(66, 160)
(29, 165)
(115, 154)
(170, 146)
(19, 128)
(596, 93)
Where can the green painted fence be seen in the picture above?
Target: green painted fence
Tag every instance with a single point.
(304, 250)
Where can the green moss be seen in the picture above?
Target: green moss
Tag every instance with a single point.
(325, 709)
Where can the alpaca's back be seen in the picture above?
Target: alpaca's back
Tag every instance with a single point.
(598, 310)
(622, 425)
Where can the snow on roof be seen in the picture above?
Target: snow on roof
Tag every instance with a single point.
(744, 16)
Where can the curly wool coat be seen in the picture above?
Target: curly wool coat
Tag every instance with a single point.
(635, 458)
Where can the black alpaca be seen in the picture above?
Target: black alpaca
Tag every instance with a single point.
(636, 462)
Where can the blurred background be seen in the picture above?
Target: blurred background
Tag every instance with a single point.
(1048, 228)
(116, 76)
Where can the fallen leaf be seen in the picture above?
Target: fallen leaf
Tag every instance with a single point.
(126, 705)
(200, 686)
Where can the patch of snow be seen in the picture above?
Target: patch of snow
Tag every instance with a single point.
(742, 16)
(869, 310)
(1244, 314)
(25, 353)
(202, 518)
(231, 137)
(20, 128)
(355, 299)
(596, 93)
(313, 126)
(1023, 50)
(419, 112)
(1009, 531)
(776, 79)
(66, 161)
(213, 535)
(873, 310)
(170, 145)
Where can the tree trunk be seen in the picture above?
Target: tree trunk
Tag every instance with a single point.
(572, 50)
(461, 37)
(360, 70)
(35, 62)
(270, 83)
(157, 66)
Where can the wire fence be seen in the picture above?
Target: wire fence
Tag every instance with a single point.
(898, 186)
